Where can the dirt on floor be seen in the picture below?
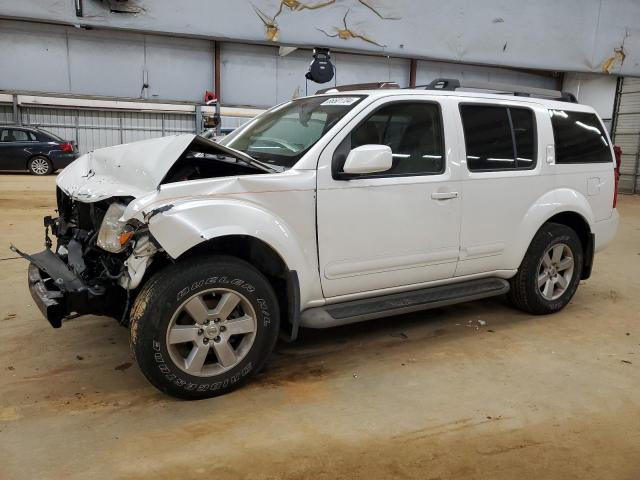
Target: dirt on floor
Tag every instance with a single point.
(474, 391)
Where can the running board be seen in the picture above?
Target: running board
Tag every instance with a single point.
(405, 302)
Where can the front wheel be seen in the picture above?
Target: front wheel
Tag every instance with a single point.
(550, 271)
(201, 327)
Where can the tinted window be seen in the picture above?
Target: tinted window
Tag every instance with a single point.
(414, 133)
(524, 133)
(579, 138)
(491, 141)
(10, 135)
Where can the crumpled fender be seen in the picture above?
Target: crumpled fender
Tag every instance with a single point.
(188, 224)
(551, 203)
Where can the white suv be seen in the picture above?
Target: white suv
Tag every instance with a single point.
(326, 210)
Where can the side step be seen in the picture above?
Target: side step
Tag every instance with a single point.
(405, 302)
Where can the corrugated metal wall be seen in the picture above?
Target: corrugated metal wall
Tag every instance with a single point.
(627, 134)
(93, 129)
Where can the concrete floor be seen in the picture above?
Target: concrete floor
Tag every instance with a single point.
(432, 395)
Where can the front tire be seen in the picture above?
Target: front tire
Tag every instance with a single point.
(550, 271)
(201, 327)
(40, 166)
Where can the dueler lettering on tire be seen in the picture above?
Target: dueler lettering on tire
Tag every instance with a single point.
(201, 327)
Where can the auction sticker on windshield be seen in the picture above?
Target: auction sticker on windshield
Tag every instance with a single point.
(340, 101)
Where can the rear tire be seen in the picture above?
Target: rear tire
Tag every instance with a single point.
(550, 272)
(201, 327)
(40, 166)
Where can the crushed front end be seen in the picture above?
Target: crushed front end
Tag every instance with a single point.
(94, 263)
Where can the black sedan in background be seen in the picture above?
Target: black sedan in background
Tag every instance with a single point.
(35, 150)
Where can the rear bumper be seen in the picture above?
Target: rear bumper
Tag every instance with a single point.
(605, 230)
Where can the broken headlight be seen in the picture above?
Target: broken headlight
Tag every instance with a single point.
(114, 234)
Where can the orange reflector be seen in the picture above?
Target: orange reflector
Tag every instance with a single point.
(125, 237)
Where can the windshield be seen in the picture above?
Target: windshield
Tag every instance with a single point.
(283, 135)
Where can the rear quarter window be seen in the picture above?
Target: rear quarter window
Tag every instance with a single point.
(579, 138)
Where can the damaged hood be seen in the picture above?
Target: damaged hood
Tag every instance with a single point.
(134, 169)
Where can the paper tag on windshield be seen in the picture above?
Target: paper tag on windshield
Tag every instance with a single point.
(340, 101)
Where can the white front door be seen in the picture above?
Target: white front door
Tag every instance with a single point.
(395, 228)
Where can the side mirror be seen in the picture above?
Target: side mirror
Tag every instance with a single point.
(368, 159)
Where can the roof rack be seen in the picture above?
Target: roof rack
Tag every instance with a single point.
(359, 86)
(452, 84)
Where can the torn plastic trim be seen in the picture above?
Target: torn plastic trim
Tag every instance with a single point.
(48, 262)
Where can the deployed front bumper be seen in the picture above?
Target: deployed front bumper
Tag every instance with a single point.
(58, 292)
(50, 302)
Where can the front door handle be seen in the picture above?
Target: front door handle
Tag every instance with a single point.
(444, 195)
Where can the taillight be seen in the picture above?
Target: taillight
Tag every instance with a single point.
(66, 147)
(618, 153)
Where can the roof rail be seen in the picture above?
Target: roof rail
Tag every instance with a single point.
(452, 84)
(359, 86)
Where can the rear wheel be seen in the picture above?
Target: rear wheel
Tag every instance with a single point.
(40, 166)
(550, 271)
(201, 327)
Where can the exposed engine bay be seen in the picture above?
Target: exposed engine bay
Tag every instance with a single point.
(99, 247)
(96, 260)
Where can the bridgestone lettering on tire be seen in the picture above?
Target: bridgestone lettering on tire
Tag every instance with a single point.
(550, 271)
(202, 327)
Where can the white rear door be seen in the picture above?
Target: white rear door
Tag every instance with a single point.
(505, 174)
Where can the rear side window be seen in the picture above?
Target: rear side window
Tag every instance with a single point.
(45, 136)
(579, 138)
(498, 138)
(10, 135)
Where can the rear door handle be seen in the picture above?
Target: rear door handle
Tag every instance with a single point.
(444, 195)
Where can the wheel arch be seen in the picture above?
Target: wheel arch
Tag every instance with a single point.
(563, 206)
(578, 224)
(286, 256)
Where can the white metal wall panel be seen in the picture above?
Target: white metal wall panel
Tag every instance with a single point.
(627, 134)
(60, 59)
(33, 57)
(106, 63)
(253, 75)
(427, 71)
(248, 74)
(179, 68)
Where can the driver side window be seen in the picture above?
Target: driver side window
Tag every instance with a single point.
(413, 131)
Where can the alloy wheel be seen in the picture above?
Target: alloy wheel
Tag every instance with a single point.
(39, 166)
(555, 271)
(211, 332)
